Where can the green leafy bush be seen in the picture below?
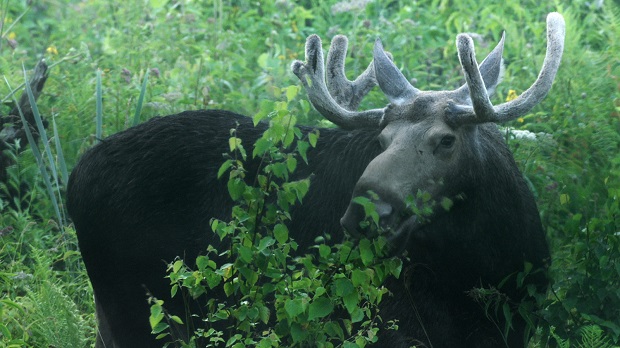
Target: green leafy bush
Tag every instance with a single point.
(259, 289)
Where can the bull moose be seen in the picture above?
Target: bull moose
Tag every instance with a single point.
(147, 194)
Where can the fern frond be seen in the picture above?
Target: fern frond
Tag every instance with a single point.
(593, 336)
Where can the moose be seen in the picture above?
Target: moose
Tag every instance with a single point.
(146, 195)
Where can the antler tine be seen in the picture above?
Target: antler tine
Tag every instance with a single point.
(483, 110)
(491, 69)
(312, 76)
(390, 79)
(347, 94)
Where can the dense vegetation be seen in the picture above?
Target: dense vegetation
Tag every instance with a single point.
(156, 57)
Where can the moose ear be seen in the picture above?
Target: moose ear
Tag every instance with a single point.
(491, 69)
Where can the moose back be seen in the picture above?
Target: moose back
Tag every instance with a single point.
(146, 195)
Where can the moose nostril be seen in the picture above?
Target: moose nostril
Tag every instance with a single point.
(383, 209)
(351, 219)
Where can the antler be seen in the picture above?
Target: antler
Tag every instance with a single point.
(391, 80)
(345, 95)
(483, 110)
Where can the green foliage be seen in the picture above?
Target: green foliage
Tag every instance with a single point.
(159, 57)
(574, 173)
(46, 297)
(54, 316)
(256, 289)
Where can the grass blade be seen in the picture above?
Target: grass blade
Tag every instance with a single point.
(40, 128)
(61, 157)
(136, 116)
(99, 115)
(39, 158)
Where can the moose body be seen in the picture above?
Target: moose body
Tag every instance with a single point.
(146, 195)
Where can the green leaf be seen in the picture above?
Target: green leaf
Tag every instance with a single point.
(332, 329)
(396, 266)
(424, 196)
(343, 287)
(446, 203)
(224, 167)
(291, 92)
(266, 343)
(236, 186)
(233, 143)
(359, 278)
(156, 315)
(345, 253)
(302, 148)
(213, 279)
(319, 291)
(280, 231)
(320, 308)
(305, 106)
(214, 224)
(369, 208)
(279, 170)
(263, 314)
(176, 319)
(366, 252)
(507, 314)
(253, 313)
(300, 188)
(159, 327)
(245, 253)
(312, 138)
(233, 339)
(362, 341)
(357, 315)
(298, 333)
(229, 288)
(176, 266)
(350, 301)
(262, 60)
(324, 251)
(265, 243)
(202, 262)
(288, 138)
(226, 270)
(294, 307)
(6, 333)
(261, 146)
(291, 163)
(266, 107)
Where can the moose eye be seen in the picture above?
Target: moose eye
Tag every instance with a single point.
(447, 141)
